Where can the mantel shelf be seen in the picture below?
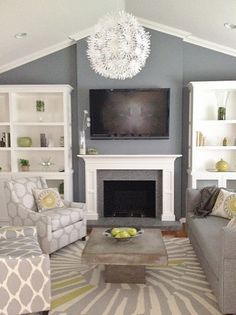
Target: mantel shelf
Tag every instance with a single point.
(128, 156)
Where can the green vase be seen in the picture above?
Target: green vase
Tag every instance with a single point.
(221, 113)
(24, 142)
(222, 166)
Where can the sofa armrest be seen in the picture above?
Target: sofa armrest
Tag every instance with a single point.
(227, 271)
(228, 242)
(193, 197)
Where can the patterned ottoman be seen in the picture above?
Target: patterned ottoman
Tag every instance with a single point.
(24, 272)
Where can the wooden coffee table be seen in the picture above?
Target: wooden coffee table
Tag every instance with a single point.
(125, 261)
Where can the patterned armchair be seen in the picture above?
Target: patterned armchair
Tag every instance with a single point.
(24, 272)
(56, 228)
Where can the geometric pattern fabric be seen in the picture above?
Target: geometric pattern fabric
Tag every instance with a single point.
(24, 274)
(56, 228)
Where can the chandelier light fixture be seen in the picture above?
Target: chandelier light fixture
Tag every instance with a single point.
(119, 46)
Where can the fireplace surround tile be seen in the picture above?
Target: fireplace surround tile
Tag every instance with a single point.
(129, 175)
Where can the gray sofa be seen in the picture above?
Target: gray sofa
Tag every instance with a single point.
(215, 246)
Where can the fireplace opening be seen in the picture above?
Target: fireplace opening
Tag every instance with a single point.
(129, 198)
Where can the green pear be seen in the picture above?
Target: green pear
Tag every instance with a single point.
(132, 231)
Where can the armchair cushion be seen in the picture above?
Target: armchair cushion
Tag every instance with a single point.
(47, 198)
(62, 217)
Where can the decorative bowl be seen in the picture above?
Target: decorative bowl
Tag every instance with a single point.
(24, 142)
(108, 234)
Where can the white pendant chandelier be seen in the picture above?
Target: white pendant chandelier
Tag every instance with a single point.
(119, 46)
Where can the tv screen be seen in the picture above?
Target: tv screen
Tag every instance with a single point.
(129, 114)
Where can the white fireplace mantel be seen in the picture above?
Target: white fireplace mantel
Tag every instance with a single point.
(93, 163)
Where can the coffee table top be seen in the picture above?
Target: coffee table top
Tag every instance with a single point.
(147, 249)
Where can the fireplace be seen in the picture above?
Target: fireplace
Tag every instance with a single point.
(129, 198)
(124, 166)
(129, 193)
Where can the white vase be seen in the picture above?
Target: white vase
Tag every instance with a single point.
(82, 143)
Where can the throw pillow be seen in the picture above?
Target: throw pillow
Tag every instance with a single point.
(225, 205)
(232, 224)
(47, 199)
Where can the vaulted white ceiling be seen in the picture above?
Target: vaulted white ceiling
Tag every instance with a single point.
(48, 23)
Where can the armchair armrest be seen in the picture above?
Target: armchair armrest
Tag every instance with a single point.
(79, 205)
(42, 223)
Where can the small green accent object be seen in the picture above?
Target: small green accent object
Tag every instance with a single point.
(92, 151)
(0, 168)
(221, 113)
(24, 142)
(61, 188)
(24, 162)
(40, 106)
(222, 166)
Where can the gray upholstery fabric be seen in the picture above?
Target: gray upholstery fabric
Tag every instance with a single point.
(208, 232)
(24, 274)
(215, 245)
(62, 217)
(56, 228)
(22, 190)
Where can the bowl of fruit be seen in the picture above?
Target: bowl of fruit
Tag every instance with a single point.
(123, 233)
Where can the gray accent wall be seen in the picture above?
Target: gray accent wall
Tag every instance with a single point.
(164, 69)
(172, 64)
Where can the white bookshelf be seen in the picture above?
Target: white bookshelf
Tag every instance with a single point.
(204, 99)
(18, 116)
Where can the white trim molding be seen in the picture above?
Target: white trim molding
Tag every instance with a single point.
(187, 37)
(130, 162)
(210, 45)
(71, 40)
(163, 28)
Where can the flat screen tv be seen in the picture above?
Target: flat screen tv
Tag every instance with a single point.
(129, 113)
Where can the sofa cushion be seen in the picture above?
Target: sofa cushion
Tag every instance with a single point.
(62, 217)
(225, 205)
(207, 232)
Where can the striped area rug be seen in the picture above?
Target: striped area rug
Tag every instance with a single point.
(178, 289)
